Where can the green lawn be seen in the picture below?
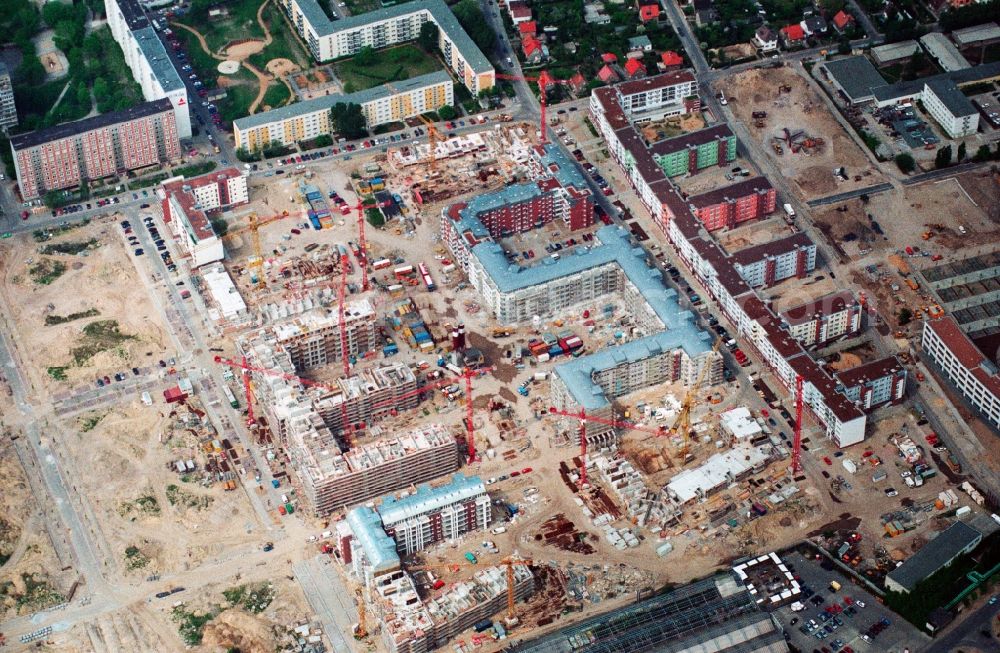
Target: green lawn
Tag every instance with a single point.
(237, 101)
(276, 95)
(284, 42)
(391, 65)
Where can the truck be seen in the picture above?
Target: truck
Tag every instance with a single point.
(953, 463)
(789, 211)
(850, 466)
(230, 397)
(471, 557)
(426, 276)
(275, 483)
(834, 586)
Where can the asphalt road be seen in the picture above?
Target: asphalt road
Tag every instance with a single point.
(967, 634)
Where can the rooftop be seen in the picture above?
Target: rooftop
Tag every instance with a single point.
(655, 82)
(936, 554)
(939, 47)
(694, 139)
(134, 14)
(326, 102)
(951, 97)
(868, 372)
(429, 499)
(894, 51)
(778, 247)
(825, 305)
(379, 548)
(154, 52)
(856, 76)
(715, 614)
(80, 127)
(976, 34)
(732, 192)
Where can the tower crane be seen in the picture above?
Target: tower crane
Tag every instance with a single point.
(433, 137)
(341, 313)
(361, 630)
(683, 424)
(582, 416)
(468, 374)
(545, 80)
(251, 420)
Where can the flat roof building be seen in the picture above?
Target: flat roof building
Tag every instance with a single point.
(66, 155)
(715, 614)
(978, 35)
(954, 541)
(944, 51)
(949, 106)
(886, 55)
(8, 112)
(151, 66)
(973, 374)
(189, 203)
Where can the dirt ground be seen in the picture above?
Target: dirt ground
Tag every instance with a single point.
(140, 499)
(114, 293)
(712, 178)
(800, 110)
(281, 67)
(30, 575)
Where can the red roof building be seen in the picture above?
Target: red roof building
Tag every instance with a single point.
(793, 33)
(635, 69)
(649, 12)
(842, 20)
(671, 60)
(578, 82)
(528, 28)
(607, 75)
(532, 48)
(609, 57)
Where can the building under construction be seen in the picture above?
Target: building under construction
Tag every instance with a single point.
(409, 625)
(313, 338)
(370, 395)
(333, 480)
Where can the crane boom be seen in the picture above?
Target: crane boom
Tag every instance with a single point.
(683, 423)
(797, 438)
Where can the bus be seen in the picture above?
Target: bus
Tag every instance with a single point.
(230, 397)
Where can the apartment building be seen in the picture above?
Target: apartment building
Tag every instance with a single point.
(660, 96)
(370, 396)
(67, 155)
(311, 118)
(189, 203)
(973, 374)
(825, 319)
(391, 25)
(333, 480)
(755, 323)
(950, 107)
(312, 339)
(875, 384)
(8, 112)
(435, 514)
(730, 206)
(689, 153)
(771, 263)
(146, 57)
(559, 193)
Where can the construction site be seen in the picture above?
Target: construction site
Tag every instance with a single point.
(795, 126)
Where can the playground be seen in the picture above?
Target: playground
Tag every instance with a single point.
(256, 36)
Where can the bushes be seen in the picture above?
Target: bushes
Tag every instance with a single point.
(906, 163)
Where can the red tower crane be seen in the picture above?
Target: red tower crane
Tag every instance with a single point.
(797, 440)
(467, 374)
(363, 258)
(583, 417)
(544, 79)
(341, 311)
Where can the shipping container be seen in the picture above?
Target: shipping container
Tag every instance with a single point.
(485, 624)
(381, 264)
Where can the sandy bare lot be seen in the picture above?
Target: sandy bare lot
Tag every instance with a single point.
(171, 519)
(799, 110)
(82, 315)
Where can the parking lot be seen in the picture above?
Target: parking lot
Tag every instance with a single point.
(846, 623)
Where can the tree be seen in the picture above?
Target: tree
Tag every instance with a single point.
(982, 154)
(428, 39)
(905, 162)
(365, 56)
(961, 152)
(943, 157)
(323, 140)
(471, 17)
(375, 217)
(220, 227)
(349, 120)
(447, 112)
(905, 315)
